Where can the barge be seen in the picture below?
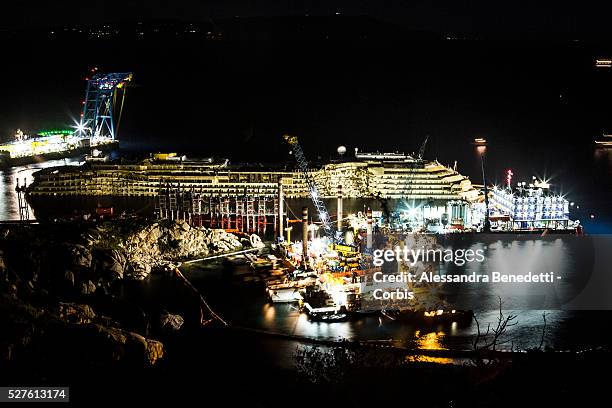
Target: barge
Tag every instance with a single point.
(50, 145)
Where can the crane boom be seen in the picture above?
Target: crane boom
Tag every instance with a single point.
(422, 149)
(302, 164)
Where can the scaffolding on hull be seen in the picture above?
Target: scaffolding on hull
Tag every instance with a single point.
(244, 213)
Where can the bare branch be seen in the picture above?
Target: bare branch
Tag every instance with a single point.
(543, 331)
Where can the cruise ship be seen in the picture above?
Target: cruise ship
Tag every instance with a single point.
(424, 189)
(375, 176)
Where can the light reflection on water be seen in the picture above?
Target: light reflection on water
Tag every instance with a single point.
(564, 328)
(430, 341)
(282, 318)
(603, 158)
(9, 207)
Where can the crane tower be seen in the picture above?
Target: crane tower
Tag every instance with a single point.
(101, 97)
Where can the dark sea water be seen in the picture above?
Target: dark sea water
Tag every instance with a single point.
(248, 306)
(9, 205)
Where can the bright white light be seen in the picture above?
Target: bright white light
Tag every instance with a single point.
(80, 127)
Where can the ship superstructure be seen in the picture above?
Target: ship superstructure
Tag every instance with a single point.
(529, 206)
(418, 180)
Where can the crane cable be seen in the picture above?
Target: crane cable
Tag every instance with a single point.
(289, 208)
(120, 109)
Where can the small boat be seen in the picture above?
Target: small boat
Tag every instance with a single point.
(604, 141)
(284, 293)
(330, 317)
(288, 292)
(326, 314)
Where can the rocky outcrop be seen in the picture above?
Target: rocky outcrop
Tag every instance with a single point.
(64, 289)
(112, 252)
(70, 333)
(162, 245)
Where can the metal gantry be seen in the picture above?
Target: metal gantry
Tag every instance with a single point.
(302, 164)
(24, 208)
(98, 107)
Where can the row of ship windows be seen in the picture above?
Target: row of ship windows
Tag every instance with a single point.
(133, 183)
(341, 177)
(82, 182)
(135, 189)
(378, 180)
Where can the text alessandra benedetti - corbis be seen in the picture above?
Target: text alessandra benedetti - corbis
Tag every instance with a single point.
(493, 277)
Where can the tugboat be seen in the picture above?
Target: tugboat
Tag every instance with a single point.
(320, 307)
(604, 141)
(479, 141)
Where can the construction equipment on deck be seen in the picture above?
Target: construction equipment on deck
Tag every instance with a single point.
(302, 164)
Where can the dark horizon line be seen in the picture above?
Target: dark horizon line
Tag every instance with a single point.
(376, 26)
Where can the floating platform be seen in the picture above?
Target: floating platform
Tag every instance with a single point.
(7, 161)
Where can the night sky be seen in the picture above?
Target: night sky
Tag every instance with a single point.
(567, 19)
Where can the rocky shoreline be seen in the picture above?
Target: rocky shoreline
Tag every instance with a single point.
(75, 292)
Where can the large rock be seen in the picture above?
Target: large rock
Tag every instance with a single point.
(87, 287)
(69, 278)
(169, 322)
(111, 343)
(154, 233)
(3, 270)
(111, 264)
(138, 270)
(74, 313)
(80, 256)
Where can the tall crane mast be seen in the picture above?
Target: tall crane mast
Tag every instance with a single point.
(302, 164)
(97, 116)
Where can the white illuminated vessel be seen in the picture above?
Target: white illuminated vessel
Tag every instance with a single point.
(604, 141)
(50, 144)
